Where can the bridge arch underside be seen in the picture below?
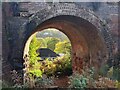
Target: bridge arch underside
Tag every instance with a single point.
(88, 45)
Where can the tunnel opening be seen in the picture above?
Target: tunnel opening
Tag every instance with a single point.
(88, 45)
(49, 54)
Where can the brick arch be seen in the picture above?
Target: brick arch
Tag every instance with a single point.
(49, 15)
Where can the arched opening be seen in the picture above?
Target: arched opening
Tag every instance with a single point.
(88, 45)
(48, 54)
(80, 32)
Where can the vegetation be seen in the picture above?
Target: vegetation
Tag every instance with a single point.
(34, 45)
(51, 32)
(42, 71)
(63, 47)
(49, 67)
(87, 80)
(34, 65)
(78, 81)
(42, 74)
(44, 82)
(51, 42)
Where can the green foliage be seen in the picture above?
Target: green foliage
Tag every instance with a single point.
(44, 82)
(63, 47)
(42, 42)
(37, 73)
(113, 69)
(65, 66)
(51, 43)
(34, 45)
(50, 67)
(35, 70)
(113, 73)
(92, 72)
(103, 70)
(48, 42)
(116, 74)
(117, 84)
(110, 72)
(60, 64)
(78, 81)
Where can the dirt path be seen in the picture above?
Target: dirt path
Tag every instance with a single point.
(62, 81)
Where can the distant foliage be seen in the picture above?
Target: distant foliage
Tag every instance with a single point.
(42, 42)
(63, 47)
(51, 43)
(53, 33)
(48, 42)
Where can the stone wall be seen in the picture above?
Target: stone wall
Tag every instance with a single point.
(6, 67)
(17, 17)
(106, 11)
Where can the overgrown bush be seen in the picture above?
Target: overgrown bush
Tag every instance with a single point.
(117, 84)
(63, 47)
(65, 66)
(34, 46)
(44, 82)
(48, 66)
(103, 70)
(78, 81)
(87, 76)
(61, 65)
(36, 73)
(36, 69)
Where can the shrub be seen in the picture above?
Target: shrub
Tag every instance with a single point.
(117, 84)
(103, 70)
(63, 47)
(34, 45)
(78, 81)
(49, 68)
(36, 73)
(44, 82)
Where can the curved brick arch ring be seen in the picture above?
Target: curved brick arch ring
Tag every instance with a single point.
(78, 11)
